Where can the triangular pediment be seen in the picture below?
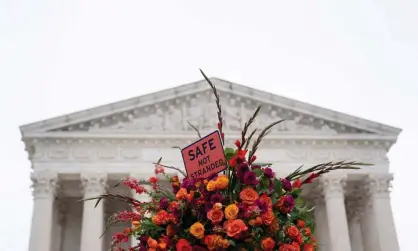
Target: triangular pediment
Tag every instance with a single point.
(168, 112)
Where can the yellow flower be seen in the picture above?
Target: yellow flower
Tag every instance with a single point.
(197, 230)
(222, 182)
(231, 212)
(211, 186)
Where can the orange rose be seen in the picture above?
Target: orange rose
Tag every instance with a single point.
(264, 197)
(307, 231)
(162, 245)
(287, 247)
(190, 196)
(308, 247)
(258, 221)
(268, 244)
(235, 227)
(231, 212)
(222, 182)
(181, 194)
(248, 195)
(197, 230)
(152, 243)
(160, 218)
(183, 245)
(292, 232)
(211, 186)
(268, 217)
(215, 216)
(300, 223)
(135, 225)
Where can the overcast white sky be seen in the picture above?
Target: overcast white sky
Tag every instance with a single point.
(56, 57)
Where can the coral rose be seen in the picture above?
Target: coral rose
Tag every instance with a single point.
(308, 247)
(197, 230)
(307, 231)
(268, 217)
(300, 223)
(296, 246)
(183, 245)
(222, 182)
(215, 216)
(235, 227)
(209, 241)
(231, 212)
(211, 186)
(287, 247)
(248, 195)
(160, 218)
(268, 244)
(292, 232)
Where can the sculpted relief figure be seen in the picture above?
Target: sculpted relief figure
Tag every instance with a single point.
(263, 119)
(156, 121)
(195, 114)
(211, 116)
(232, 116)
(174, 119)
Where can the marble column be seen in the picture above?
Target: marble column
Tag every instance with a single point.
(354, 206)
(93, 185)
(322, 233)
(333, 189)
(44, 191)
(379, 198)
(140, 197)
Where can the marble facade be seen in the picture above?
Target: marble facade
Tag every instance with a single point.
(82, 154)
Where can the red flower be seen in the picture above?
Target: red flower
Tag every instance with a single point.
(153, 180)
(183, 245)
(238, 144)
(297, 183)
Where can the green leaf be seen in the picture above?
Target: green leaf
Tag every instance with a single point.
(258, 172)
(296, 192)
(229, 153)
(232, 243)
(277, 186)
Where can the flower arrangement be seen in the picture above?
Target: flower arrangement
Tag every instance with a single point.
(245, 207)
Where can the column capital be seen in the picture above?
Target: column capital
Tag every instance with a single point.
(44, 184)
(355, 207)
(333, 184)
(95, 183)
(378, 184)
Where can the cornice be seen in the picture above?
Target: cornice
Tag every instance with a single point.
(366, 138)
(224, 87)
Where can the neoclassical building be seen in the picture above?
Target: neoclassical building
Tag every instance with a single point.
(81, 155)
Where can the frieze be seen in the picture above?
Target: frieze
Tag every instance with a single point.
(123, 150)
(200, 110)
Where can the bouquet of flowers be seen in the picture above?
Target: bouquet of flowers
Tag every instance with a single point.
(245, 207)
